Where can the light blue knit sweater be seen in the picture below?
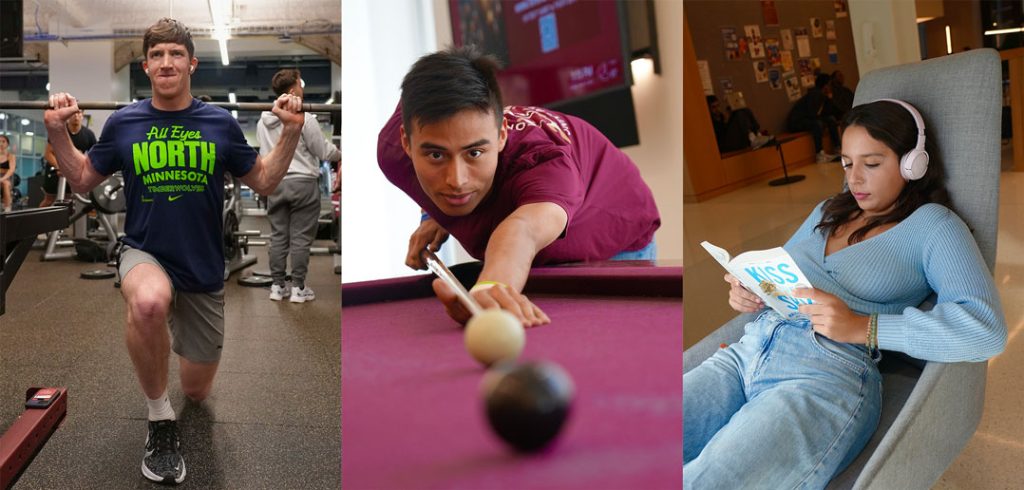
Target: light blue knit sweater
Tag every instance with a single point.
(892, 273)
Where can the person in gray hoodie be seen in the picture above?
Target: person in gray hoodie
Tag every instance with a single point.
(293, 209)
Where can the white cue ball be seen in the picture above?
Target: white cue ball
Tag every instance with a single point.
(494, 335)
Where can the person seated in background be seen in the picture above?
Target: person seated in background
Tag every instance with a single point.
(814, 112)
(735, 129)
(842, 97)
(7, 167)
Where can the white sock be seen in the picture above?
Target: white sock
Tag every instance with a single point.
(160, 409)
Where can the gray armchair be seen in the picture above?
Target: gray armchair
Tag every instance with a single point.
(929, 409)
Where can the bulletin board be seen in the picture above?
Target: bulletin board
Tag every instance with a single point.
(767, 50)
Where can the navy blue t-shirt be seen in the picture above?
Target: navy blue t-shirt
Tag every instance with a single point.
(173, 164)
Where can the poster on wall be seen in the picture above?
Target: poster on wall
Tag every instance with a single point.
(840, 8)
(761, 71)
(775, 79)
(803, 46)
(731, 44)
(726, 85)
(816, 27)
(705, 77)
(771, 49)
(792, 89)
(816, 65)
(787, 38)
(806, 73)
(736, 100)
(754, 41)
(830, 30)
(833, 54)
(770, 13)
(787, 61)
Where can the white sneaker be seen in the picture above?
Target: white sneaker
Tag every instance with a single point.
(277, 293)
(302, 295)
(760, 140)
(823, 157)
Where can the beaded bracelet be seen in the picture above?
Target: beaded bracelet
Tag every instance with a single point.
(872, 344)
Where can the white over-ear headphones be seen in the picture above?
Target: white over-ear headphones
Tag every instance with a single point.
(914, 163)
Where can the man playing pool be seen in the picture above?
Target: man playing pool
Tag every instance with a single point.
(518, 186)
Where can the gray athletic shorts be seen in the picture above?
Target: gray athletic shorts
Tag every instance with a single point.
(196, 319)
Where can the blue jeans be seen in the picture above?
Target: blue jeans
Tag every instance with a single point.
(782, 408)
(649, 252)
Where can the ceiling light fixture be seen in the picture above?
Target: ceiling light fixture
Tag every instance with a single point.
(1004, 31)
(220, 14)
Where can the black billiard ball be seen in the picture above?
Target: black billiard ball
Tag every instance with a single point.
(527, 404)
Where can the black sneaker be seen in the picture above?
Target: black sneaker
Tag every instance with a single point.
(163, 462)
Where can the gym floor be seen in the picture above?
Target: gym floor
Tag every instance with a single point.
(273, 420)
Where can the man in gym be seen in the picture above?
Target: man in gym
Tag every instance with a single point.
(515, 185)
(173, 151)
(82, 138)
(294, 208)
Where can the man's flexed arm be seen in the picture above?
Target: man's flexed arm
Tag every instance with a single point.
(268, 172)
(74, 165)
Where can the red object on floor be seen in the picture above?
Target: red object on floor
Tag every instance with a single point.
(27, 435)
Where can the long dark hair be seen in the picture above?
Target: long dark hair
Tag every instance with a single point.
(893, 125)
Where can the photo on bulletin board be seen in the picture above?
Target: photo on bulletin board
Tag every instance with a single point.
(774, 79)
(806, 73)
(815, 65)
(787, 61)
(769, 12)
(736, 100)
(726, 84)
(771, 49)
(803, 46)
(830, 30)
(840, 8)
(833, 54)
(787, 38)
(792, 89)
(761, 71)
(755, 43)
(705, 77)
(816, 27)
(730, 42)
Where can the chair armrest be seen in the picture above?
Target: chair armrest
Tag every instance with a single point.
(728, 333)
(934, 425)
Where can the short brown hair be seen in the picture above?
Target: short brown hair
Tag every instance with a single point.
(167, 30)
(284, 80)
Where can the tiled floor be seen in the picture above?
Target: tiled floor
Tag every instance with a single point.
(273, 420)
(760, 216)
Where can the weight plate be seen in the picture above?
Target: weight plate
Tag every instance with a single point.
(255, 281)
(95, 274)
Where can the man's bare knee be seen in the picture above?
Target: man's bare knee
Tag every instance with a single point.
(149, 305)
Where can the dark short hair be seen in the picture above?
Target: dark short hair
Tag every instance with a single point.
(893, 125)
(822, 80)
(441, 84)
(284, 80)
(711, 99)
(167, 30)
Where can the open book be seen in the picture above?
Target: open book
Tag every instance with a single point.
(770, 274)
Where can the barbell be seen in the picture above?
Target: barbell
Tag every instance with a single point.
(113, 106)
